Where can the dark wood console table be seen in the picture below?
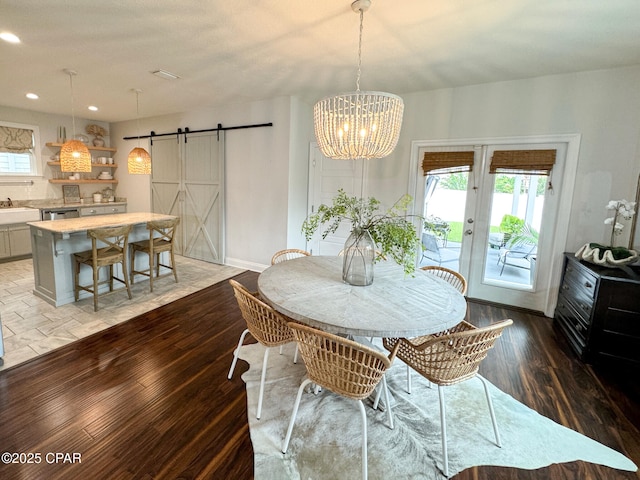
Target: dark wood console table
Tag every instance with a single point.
(598, 311)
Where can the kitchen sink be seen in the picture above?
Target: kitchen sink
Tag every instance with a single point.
(19, 215)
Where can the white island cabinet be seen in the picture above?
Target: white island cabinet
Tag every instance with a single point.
(54, 242)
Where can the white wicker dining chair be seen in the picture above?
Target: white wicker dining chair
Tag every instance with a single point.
(342, 366)
(449, 358)
(266, 325)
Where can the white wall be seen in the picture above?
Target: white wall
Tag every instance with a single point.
(603, 106)
(266, 167)
(263, 173)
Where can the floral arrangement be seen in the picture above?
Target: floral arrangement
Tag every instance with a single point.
(621, 208)
(610, 254)
(96, 130)
(392, 231)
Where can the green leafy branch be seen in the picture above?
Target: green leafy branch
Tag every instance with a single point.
(392, 231)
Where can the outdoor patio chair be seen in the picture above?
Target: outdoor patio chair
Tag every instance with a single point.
(518, 256)
(449, 358)
(430, 247)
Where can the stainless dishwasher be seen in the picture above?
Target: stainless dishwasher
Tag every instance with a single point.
(59, 213)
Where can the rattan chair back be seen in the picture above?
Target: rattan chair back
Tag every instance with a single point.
(265, 324)
(288, 254)
(454, 278)
(343, 366)
(451, 358)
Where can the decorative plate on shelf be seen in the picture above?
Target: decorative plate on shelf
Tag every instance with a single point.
(83, 138)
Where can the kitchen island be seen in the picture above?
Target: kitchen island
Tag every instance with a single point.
(54, 242)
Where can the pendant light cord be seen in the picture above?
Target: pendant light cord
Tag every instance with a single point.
(359, 52)
(138, 115)
(73, 116)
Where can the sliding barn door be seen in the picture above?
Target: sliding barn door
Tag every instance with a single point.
(187, 180)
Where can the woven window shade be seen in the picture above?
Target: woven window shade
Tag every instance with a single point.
(533, 162)
(16, 140)
(447, 162)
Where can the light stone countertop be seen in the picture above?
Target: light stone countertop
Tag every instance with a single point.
(310, 290)
(81, 224)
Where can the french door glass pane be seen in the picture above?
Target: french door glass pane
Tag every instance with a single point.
(444, 208)
(516, 215)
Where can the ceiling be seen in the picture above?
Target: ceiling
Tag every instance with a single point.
(228, 52)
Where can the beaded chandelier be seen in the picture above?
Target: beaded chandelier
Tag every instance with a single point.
(358, 124)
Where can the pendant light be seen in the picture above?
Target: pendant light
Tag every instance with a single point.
(74, 155)
(139, 160)
(358, 124)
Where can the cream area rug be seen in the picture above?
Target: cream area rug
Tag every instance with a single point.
(326, 438)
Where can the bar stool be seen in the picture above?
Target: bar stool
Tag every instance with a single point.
(161, 235)
(116, 240)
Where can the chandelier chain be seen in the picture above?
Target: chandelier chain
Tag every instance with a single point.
(360, 52)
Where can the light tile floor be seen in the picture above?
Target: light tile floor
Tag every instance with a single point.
(31, 326)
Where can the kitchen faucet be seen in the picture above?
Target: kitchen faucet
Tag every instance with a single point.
(10, 202)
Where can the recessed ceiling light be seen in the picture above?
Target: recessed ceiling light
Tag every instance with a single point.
(9, 37)
(93, 108)
(32, 96)
(166, 75)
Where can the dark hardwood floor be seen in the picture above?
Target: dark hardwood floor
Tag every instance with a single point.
(150, 399)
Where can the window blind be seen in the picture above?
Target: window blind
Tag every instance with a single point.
(447, 162)
(16, 140)
(533, 162)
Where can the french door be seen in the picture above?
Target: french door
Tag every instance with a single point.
(505, 232)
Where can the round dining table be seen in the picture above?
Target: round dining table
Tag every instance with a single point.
(310, 290)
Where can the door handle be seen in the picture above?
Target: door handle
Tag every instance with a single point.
(468, 232)
(469, 220)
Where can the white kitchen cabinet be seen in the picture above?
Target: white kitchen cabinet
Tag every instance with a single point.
(15, 240)
(102, 210)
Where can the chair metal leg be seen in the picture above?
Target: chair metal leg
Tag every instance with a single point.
(295, 355)
(285, 444)
(443, 429)
(236, 353)
(262, 379)
(408, 379)
(363, 414)
(388, 401)
(491, 412)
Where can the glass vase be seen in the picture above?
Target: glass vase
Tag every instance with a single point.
(358, 257)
